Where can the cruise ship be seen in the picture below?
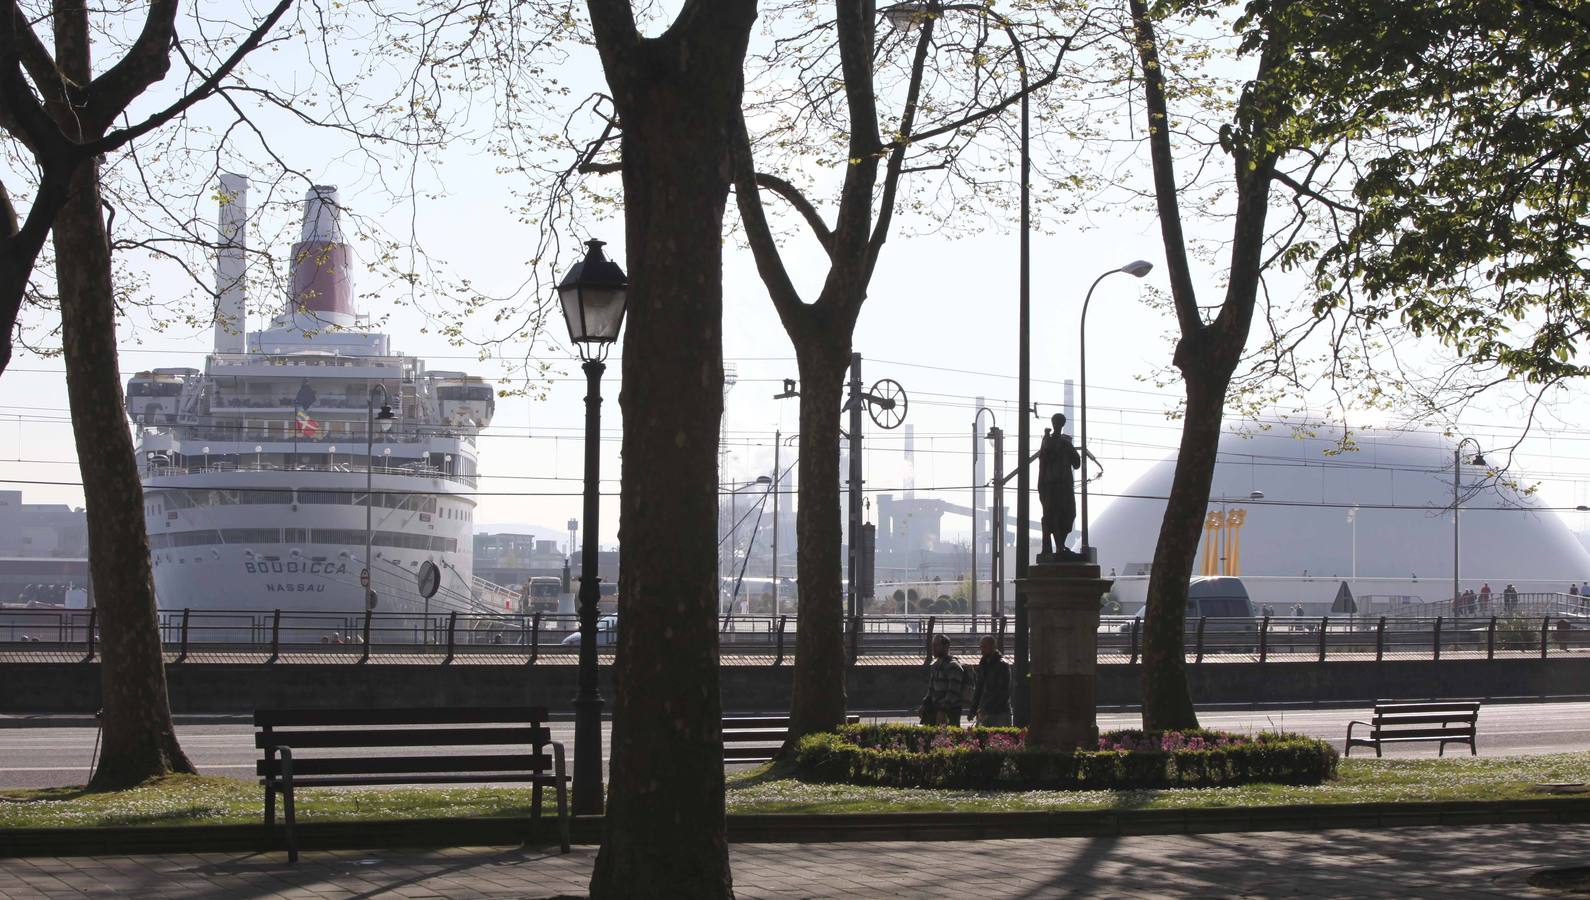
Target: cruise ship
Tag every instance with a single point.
(259, 468)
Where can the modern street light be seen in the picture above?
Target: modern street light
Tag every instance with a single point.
(384, 420)
(1457, 479)
(1352, 520)
(1137, 269)
(976, 535)
(908, 15)
(593, 296)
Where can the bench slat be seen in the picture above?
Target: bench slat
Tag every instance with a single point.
(1409, 734)
(392, 765)
(1417, 720)
(428, 715)
(403, 737)
(1383, 708)
(371, 780)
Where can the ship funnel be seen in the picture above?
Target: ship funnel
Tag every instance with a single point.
(231, 263)
(322, 262)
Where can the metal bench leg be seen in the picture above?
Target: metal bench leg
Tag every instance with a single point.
(563, 796)
(535, 811)
(1377, 749)
(287, 805)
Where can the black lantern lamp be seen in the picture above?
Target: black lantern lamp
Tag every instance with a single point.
(594, 297)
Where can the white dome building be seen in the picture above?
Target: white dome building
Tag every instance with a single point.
(1302, 539)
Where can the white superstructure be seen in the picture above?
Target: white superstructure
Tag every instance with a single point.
(255, 468)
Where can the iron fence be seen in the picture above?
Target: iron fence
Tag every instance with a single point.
(450, 637)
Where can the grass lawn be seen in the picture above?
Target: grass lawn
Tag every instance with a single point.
(198, 800)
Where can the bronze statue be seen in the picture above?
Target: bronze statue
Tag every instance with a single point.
(1057, 457)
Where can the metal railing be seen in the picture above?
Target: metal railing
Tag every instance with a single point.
(454, 637)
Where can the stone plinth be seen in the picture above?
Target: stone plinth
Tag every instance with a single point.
(1063, 627)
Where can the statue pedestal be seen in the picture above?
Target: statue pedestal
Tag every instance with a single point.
(1063, 626)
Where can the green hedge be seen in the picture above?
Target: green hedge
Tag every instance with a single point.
(996, 759)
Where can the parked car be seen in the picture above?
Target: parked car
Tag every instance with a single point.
(1222, 597)
(606, 633)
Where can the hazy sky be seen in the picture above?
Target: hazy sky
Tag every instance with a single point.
(941, 320)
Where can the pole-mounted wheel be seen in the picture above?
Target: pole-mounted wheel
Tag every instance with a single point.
(887, 403)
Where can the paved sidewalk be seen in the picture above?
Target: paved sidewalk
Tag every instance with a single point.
(1409, 862)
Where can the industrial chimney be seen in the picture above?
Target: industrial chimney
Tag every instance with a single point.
(231, 264)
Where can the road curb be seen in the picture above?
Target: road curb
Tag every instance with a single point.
(800, 828)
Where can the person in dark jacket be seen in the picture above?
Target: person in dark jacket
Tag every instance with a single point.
(946, 685)
(991, 697)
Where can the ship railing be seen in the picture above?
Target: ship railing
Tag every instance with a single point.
(413, 470)
(452, 636)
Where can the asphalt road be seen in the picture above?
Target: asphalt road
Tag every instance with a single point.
(45, 756)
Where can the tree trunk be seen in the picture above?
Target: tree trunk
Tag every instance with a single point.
(818, 701)
(1167, 701)
(678, 97)
(139, 740)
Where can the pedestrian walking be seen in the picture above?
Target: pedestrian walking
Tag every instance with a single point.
(946, 686)
(1573, 590)
(1509, 598)
(1485, 599)
(991, 697)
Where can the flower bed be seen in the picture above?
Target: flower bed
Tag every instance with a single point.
(998, 759)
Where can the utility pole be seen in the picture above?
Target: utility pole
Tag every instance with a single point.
(996, 561)
(776, 479)
(854, 402)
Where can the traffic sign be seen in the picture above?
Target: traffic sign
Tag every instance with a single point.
(364, 577)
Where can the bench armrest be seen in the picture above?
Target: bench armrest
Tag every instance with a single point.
(557, 758)
(1356, 722)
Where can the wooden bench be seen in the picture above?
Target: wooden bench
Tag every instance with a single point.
(1449, 723)
(518, 738)
(754, 739)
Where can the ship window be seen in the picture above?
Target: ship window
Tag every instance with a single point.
(251, 536)
(264, 497)
(342, 498)
(153, 389)
(297, 535)
(197, 538)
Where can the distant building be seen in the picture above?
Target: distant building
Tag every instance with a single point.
(509, 558)
(41, 529)
(43, 551)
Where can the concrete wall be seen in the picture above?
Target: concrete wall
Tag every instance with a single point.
(240, 688)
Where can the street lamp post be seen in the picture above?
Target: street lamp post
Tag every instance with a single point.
(908, 15)
(593, 300)
(1352, 520)
(1136, 269)
(1457, 479)
(385, 417)
(976, 535)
